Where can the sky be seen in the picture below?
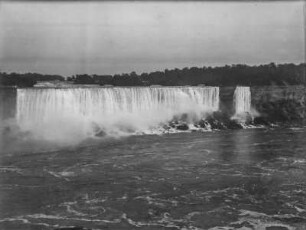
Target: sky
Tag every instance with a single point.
(120, 37)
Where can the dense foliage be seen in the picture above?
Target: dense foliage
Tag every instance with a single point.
(26, 79)
(270, 74)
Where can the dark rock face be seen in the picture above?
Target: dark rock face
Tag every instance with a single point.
(221, 120)
(283, 110)
(203, 124)
(260, 121)
(216, 121)
(182, 127)
(226, 96)
(8, 100)
(279, 104)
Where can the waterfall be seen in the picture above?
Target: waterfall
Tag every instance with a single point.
(78, 112)
(242, 100)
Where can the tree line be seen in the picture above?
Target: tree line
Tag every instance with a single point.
(269, 74)
(26, 79)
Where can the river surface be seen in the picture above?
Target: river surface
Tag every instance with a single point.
(236, 179)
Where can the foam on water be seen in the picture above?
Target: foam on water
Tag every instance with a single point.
(77, 113)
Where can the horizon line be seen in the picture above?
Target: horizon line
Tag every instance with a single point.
(212, 66)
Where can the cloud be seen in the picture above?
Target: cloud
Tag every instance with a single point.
(114, 37)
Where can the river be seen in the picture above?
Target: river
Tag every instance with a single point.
(234, 179)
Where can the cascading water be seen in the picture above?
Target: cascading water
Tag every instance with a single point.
(77, 113)
(242, 102)
(242, 99)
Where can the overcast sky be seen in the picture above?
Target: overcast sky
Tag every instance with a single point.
(114, 37)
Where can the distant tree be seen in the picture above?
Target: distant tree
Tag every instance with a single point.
(103, 79)
(26, 79)
(84, 79)
(238, 74)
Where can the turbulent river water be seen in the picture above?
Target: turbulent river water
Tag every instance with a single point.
(234, 179)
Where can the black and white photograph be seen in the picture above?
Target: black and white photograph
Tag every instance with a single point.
(152, 115)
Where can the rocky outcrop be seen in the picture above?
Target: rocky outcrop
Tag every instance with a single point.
(8, 97)
(279, 104)
(226, 95)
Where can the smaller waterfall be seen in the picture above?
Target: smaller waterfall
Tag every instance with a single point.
(242, 101)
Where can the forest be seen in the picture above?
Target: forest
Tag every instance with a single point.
(26, 79)
(244, 75)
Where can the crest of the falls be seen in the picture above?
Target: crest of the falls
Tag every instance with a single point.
(242, 102)
(77, 113)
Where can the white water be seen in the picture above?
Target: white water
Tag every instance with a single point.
(76, 113)
(242, 103)
(242, 99)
